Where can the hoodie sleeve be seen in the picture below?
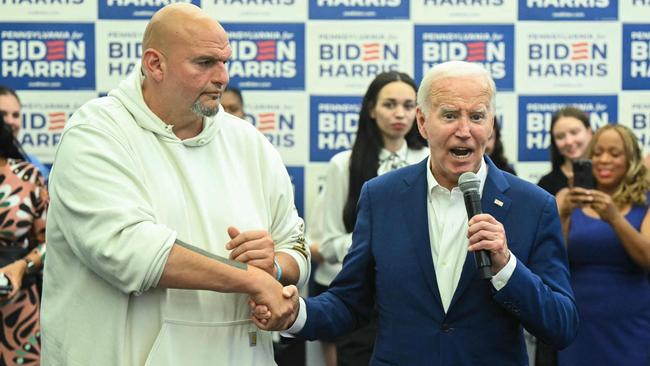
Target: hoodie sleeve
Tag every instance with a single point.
(102, 207)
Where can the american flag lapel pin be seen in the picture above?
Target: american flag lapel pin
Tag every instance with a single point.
(498, 202)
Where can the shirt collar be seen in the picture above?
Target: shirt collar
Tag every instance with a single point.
(401, 153)
(432, 183)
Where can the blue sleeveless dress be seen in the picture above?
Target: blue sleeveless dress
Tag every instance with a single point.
(612, 295)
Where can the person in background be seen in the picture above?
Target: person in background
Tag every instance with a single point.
(411, 254)
(494, 150)
(23, 207)
(10, 109)
(386, 139)
(314, 234)
(233, 102)
(167, 215)
(607, 232)
(570, 134)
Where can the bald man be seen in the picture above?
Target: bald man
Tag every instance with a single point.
(167, 216)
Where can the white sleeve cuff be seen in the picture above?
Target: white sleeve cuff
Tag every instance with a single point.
(304, 266)
(301, 319)
(501, 278)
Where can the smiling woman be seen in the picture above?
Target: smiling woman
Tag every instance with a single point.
(570, 134)
(608, 237)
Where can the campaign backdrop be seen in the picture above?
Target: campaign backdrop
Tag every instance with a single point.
(303, 65)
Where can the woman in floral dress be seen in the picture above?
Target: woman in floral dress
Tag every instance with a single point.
(23, 206)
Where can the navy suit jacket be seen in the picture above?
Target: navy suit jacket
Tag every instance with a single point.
(390, 266)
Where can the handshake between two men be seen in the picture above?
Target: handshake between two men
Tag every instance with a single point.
(273, 312)
(273, 307)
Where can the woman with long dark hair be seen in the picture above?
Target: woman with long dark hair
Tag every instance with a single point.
(10, 110)
(387, 139)
(23, 203)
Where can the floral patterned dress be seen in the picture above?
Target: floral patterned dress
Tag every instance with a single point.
(23, 207)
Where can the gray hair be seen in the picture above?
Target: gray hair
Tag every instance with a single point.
(453, 69)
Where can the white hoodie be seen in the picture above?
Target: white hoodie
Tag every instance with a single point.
(123, 188)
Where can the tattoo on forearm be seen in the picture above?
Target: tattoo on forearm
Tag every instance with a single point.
(221, 259)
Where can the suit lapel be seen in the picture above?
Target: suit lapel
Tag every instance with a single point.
(493, 202)
(414, 203)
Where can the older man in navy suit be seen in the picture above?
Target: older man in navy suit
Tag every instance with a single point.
(411, 255)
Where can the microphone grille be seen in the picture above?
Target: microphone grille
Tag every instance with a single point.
(469, 181)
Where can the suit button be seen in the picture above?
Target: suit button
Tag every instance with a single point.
(446, 328)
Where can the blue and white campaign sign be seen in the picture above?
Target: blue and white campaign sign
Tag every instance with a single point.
(334, 122)
(358, 9)
(568, 9)
(346, 58)
(463, 11)
(267, 56)
(536, 112)
(572, 58)
(44, 115)
(48, 10)
(257, 10)
(47, 55)
(119, 50)
(282, 118)
(635, 114)
(635, 11)
(297, 175)
(135, 9)
(636, 57)
(506, 113)
(490, 45)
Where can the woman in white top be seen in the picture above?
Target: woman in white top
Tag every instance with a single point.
(387, 139)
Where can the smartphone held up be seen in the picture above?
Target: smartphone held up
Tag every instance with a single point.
(582, 174)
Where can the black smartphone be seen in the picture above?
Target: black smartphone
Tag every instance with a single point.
(582, 175)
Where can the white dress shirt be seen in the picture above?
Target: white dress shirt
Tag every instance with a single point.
(448, 236)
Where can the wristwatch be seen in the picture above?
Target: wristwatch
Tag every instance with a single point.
(31, 266)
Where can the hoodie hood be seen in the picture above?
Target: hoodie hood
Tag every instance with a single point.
(129, 93)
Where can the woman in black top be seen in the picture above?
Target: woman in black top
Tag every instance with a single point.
(570, 135)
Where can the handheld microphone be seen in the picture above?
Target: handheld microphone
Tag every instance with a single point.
(470, 185)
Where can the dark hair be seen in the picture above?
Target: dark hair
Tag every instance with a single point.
(237, 92)
(364, 160)
(498, 156)
(556, 158)
(9, 147)
(5, 90)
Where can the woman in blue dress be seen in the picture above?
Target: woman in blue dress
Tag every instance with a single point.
(608, 243)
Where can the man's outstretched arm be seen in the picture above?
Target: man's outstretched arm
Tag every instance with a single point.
(189, 268)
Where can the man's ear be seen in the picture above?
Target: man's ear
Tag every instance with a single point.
(420, 120)
(153, 64)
